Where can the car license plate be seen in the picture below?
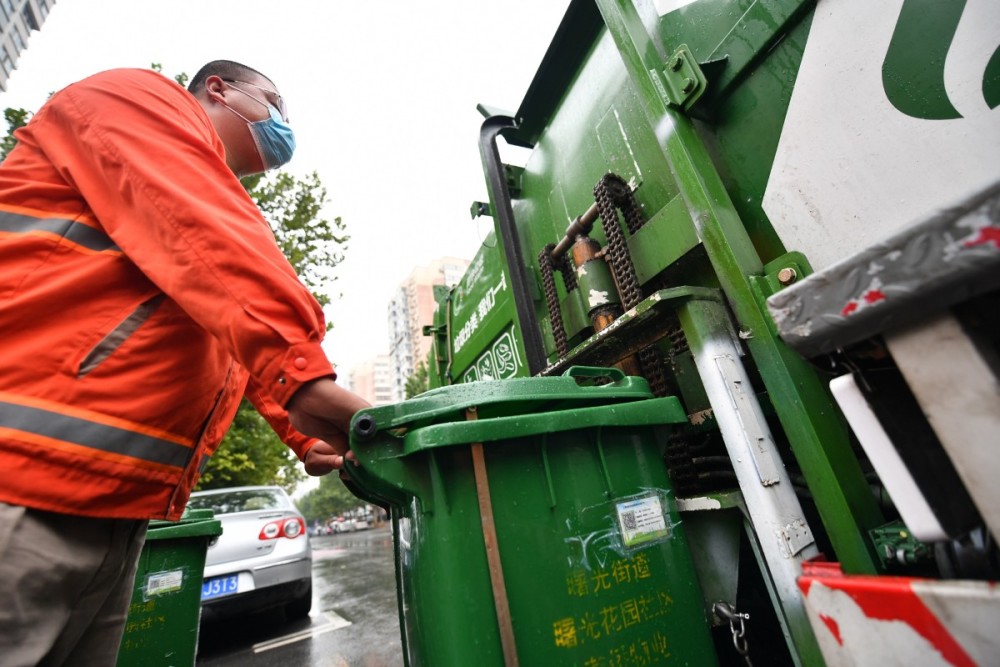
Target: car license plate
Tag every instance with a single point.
(216, 587)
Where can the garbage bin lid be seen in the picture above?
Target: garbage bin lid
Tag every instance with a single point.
(578, 386)
(194, 523)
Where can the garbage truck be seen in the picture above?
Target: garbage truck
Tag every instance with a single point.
(730, 350)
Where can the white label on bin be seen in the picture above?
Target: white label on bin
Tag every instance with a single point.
(162, 583)
(642, 521)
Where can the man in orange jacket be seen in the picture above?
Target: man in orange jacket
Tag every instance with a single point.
(142, 295)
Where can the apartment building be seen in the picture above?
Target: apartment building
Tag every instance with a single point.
(18, 18)
(409, 310)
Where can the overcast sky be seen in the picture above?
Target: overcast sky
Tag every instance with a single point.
(382, 97)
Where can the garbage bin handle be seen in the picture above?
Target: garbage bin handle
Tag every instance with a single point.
(649, 412)
(616, 375)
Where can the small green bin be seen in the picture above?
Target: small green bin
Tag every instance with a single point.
(534, 518)
(163, 617)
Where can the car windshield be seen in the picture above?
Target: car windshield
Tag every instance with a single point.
(247, 500)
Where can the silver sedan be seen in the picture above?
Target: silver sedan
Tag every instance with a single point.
(262, 559)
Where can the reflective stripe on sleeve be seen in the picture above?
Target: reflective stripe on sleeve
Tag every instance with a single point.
(75, 232)
(92, 434)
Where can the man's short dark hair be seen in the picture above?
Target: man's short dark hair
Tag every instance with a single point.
(224, 69)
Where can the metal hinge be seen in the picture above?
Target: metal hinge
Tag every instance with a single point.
(682, 81)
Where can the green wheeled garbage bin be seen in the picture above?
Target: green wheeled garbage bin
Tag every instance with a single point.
(163, 617)
(534, 524)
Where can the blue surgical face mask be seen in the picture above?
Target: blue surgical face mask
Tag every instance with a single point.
(272, 136)
(274, 139)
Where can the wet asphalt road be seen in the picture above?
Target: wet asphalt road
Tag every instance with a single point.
(354, 621)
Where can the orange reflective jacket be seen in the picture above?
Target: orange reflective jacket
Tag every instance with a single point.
(139, 281)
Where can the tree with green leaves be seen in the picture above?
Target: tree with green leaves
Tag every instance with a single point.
(417, 383)
(330, 499)
(251, 453)
(15, 118)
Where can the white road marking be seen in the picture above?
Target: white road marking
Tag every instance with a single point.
(336, 622)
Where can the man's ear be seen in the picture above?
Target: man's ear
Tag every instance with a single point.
(215, 88)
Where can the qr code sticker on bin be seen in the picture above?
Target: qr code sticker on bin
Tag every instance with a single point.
(163, 583)
(642, 521)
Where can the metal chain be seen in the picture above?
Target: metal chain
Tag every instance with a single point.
(682, 470)
(613, 193)
(621, 268)
(726, 612)
(631, 211)
(552, 300)
(652, 367)
(565, 267)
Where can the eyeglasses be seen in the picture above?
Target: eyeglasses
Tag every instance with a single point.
(280, 100)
